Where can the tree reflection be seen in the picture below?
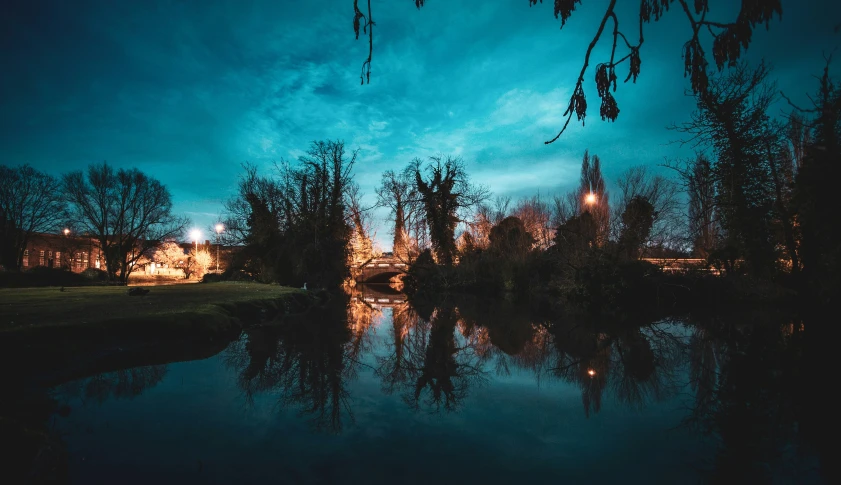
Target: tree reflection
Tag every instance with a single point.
(744, 378)
(306, 359)
(638, 363)
(428, 365)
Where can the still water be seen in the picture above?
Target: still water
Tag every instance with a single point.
(373, 390)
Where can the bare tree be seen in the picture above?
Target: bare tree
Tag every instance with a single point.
(398, 193)
(537, 219)
(128, 212)
(485, 218)
(447, 195)
(799, 135)
(361, 244)
(703, 221)
(30, 202)
(661, 193)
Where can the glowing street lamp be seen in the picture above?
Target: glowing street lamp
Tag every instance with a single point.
(195, 235)
(219, 228)
(66, 231)
(591, 372)
(590, 199)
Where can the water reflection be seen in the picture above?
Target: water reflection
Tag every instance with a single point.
(739, 380)
(306, 359)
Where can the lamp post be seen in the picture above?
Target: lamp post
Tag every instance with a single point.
(590, 199)
(219, 228)
(195, 234)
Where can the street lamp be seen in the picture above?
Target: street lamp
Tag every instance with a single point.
(195, 234)
(66, 231)
(219, 228)
(590, 199)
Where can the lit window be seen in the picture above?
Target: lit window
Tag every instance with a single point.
(26, 257)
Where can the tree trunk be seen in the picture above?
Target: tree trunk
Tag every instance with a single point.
(788, 231)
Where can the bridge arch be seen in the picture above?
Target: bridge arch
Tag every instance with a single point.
(380, 270)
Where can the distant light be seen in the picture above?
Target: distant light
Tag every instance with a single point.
(591, 372)
(195, 234)
(590, 198)
(219, 228)
(66, 231)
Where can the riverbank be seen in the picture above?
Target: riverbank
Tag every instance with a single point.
(173, 309)
(56, 334)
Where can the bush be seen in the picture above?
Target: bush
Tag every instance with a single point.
(95, 274)
(43, 276)
(228, 275)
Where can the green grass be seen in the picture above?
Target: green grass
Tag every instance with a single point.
(164, 307)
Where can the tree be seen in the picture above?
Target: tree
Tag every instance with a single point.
(173, 255)
(593, 196)
(126, 211)
(30, 202)
(637, 221)
(445, 193)
(201, 262)
(510, 238)
(703, 221)
(397, 192)
(361, 245)
(732, 119)
(536, 217)
(728, 42)
(661, 193)
(297, 226)
(815, 192)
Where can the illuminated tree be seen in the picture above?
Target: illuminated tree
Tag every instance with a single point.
(201, 262)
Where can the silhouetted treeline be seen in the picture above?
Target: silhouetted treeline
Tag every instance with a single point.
(759, 208)
(296, 225)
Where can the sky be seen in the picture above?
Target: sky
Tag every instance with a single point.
(188, 91)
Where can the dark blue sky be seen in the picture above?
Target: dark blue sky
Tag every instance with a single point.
(187, 91)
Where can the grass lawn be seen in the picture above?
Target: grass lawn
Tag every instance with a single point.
(42, 308)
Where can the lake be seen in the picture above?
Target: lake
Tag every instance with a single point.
(373, 390)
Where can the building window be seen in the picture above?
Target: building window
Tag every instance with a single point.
(26, 257)
(58, 258)
(84, 260)
(41, 258)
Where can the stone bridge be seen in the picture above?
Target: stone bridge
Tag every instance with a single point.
(380, 270)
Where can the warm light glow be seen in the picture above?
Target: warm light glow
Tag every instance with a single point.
(219, 228)
(591, 372)
(66, 232)
(195, 234)
(590, 198)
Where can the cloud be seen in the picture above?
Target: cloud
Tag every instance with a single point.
(188, 91)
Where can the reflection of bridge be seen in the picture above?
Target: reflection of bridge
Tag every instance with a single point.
(380, 270)
(379, 296)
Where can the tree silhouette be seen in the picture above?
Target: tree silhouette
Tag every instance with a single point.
(30, 202)
(445, 192)
(729, 41)
(126, 211)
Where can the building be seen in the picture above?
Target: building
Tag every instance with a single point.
(76, 253)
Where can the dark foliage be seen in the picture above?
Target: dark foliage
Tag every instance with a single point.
(296, 224)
